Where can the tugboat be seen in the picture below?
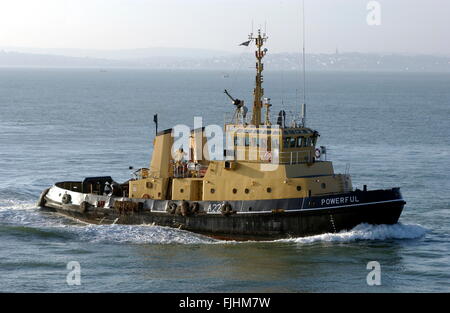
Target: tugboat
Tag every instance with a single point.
(271, 182)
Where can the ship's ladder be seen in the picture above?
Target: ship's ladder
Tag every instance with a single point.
(333, 223)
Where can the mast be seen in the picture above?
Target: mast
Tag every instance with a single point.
(304, 68)
(258, 92)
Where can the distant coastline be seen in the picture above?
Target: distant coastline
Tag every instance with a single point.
(218, 60)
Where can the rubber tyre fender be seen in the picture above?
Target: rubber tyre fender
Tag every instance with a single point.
(66, 199)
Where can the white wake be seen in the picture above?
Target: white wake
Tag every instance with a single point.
(366, 232)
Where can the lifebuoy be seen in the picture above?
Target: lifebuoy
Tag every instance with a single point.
(317, 153)
(66, 198)
(268, 156)
(145, 196)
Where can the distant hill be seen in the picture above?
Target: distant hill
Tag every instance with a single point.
(19, 59)
(362, 62)
(168, 58)
(124, 54)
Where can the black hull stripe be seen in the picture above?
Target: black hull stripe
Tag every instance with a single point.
(351, 205)
(324, 208)
(287, 211)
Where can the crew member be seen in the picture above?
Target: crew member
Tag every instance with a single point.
(179, 156)
(180, 162)
(108, 190)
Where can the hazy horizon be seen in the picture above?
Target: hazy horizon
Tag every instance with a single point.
(208, 52)
(406, 26)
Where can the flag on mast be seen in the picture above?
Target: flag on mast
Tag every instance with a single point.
(245, 43)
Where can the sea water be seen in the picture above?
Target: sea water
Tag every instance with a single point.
(389, 129)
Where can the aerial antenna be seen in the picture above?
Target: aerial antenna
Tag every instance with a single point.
(304, 68)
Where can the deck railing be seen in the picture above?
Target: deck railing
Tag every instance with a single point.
(188, 169)
(295, 157)
(285, 157)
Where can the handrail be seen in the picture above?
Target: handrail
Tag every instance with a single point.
(290, 118)
(295, 157)
(286, 157)
(188, 169)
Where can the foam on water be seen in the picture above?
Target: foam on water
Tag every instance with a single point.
(365, 232)
(138, 234)
(17, 212)
(25, 213)
(9, 204)
(149, 234)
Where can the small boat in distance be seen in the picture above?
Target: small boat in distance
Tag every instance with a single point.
(273, 182)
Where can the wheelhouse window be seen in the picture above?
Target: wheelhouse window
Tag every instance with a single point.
(263, 142)
(300, 142)
(275, 143)
(238, 141)
(292, 142)
(254, 142)
(286, 142)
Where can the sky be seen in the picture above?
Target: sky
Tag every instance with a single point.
(405, 26)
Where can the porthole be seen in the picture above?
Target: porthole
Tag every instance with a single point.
(247, 190)
(234, 190)
(299, 188)
(323, 185)
(269, 189)
(213, 190)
